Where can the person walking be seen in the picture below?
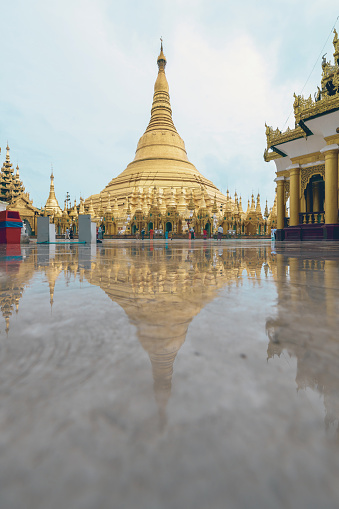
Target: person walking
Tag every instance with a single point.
(143, 234)
(205, 234)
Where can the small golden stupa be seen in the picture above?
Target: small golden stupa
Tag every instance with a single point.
(52, 206)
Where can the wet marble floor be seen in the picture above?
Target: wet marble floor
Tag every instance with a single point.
(175, 375)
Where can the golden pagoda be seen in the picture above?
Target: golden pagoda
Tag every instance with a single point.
(52, 207)
(160, 178)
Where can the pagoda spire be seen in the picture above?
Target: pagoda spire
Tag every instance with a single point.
(52, 205)
(266, 211)
(161, 112)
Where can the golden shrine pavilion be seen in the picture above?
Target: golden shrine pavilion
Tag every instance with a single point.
(306, 159)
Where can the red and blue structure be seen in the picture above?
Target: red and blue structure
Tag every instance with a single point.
(10, 227)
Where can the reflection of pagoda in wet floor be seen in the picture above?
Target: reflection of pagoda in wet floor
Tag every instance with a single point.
(309, 286)
(19, 264)
(162, 290)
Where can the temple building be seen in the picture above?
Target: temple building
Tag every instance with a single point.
(161, 189)
(12, 191)
(306, 160)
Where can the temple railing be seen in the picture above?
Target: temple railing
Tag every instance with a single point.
(311, 218)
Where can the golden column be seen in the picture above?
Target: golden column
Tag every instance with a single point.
(331, 184)
(280, 202)
(294, 195)
(316, 197)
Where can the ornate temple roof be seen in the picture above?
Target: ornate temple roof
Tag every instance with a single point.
(10, 184)
(325, 101)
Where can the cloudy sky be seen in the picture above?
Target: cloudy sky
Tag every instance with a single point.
(78, 76)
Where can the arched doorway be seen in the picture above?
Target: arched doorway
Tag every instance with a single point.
(315, 195)
(150, 226)
(28, 227)
(134, 229)
(208, 229)
(168, 226)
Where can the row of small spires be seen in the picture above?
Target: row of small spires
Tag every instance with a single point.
(101, 210)
(191, 205)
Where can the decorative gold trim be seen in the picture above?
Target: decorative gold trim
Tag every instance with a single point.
(330, 140)
(283, 173)
(307, 173)
(276, 137)
(306, 108)
(270, 156)
(314, 157)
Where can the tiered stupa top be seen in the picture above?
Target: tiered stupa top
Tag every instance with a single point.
(160, 160)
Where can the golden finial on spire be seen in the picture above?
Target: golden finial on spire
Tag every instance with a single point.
(161, 58)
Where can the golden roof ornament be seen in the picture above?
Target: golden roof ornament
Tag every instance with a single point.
(266, 210)
(74, 211)
(108, 207)
(161, 58)
(128, 207)
(191, 205)
(240, 206)
(115, 208)
(215, 207)
(91, 209)
(202, 200)
(81, 206)
(258, 207)
(52, 205)
(182, 201)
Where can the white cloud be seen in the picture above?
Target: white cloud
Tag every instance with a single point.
(78, 81)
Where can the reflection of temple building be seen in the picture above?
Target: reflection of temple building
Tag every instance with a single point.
(306, 159)
(15, 276)
(308, 286)
(161, 289)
